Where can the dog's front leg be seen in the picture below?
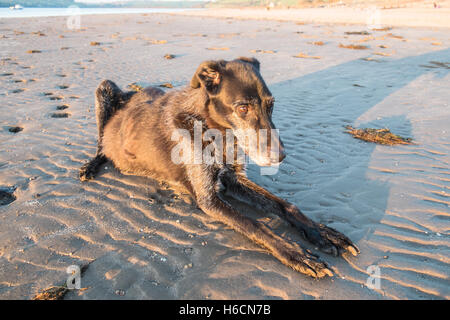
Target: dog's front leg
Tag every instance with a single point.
(204, 184)
(326, 238)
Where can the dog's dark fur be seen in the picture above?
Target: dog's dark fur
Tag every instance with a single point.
(135, 130)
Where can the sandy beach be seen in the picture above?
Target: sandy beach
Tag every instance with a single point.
(143, 241)
(418, 14)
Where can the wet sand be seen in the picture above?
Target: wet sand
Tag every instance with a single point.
(144, 241)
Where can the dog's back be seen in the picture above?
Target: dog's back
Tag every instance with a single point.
(137, 137)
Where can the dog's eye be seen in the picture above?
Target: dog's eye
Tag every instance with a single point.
(243, 108)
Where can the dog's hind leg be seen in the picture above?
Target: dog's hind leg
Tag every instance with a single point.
(108, 99)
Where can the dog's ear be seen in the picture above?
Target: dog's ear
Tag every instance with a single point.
(209, 74)
(252, 61)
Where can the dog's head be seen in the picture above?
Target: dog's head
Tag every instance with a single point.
(240, 100)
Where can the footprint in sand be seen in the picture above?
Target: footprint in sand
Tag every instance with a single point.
(364, 33)
(17, 90)
(34, 51)
(169, 56)
(62, 107)
(53, 98)
(61, 75)
(15, 129)
(262, 51)
(60, 115)
(63, 86)
(437, 64)
(6, 74)
(7, 195)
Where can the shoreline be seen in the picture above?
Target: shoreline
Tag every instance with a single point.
(64, 12)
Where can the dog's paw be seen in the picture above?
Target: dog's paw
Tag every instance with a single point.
(329, 240)
(87, 172)
(306, 263)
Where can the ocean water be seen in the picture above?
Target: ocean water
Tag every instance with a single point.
(54, 12)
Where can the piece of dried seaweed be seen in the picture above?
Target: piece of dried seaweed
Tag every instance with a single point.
(57, 292)
(135, 86)
(52, 293)
(353, 46)
(380, 136)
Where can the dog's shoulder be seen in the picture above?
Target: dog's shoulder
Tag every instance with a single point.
(147, 95)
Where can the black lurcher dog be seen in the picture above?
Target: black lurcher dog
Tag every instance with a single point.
(135, 132)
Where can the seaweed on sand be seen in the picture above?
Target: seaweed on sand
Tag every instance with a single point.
(135, 86)
(380, 136)
(353, 46)
(58, 292)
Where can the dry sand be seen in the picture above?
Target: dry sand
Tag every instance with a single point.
(145, 242)
(418, 14)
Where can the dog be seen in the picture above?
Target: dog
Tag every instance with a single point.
(135, 132)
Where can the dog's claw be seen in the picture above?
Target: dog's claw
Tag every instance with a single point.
(307, 264)
(89, 170)
(328, 272)
(330, 241)
(85, 173)
(353, 250)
